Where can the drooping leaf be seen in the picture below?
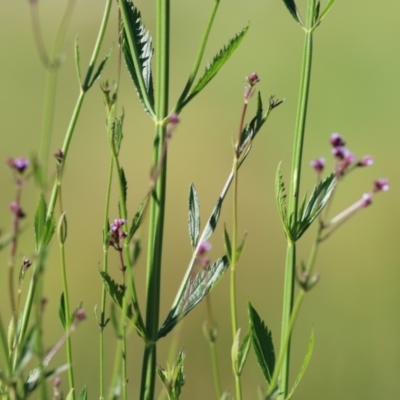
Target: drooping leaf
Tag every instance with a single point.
(138, 51)
(99, 70)
(137, 219)
(261, 338)
(61, 311)
(303, 366)
(194, 216)
(240, 350)
(83, 394)
(194, 292)
(316, 203)
(217, 63)
(280, 195)
(291, 6)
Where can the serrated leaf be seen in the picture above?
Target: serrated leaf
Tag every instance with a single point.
(117, 293)
(138, 51)
(99, 69)
(240, 350)
(291, 6)
(83, 394)
(261, 338)
(61, 311)
(178, 374)
(217, 63)
(303, 366)
(194, 216)
(194, 292)
(78, 61)
(227, 243)
(137, 219)
(280, 194)
(317, 202)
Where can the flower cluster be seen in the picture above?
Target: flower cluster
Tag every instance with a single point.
(117, 234)
(20, 164)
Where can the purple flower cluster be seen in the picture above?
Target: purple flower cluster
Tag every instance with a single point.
(116, 234)
(20, 164)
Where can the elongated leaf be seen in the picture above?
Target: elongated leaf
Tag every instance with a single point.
(137, 219)
(194, 292)
(228, 246)
(83, 394)
(78, 61)
(261, 338)
(194, 216)
(291, 6)
(280, 195)
(178, 375)
(217, 63)
(118, 135)
(99, 69)
(303, 366)
(61, 310)
(44, 227)
(250, 130)
(239, 250)
(213, 221)
(240, 350)
(326, 10)
(318, 200)
(124, 184)
(138, 51)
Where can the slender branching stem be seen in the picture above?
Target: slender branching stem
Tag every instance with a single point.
(294, 193)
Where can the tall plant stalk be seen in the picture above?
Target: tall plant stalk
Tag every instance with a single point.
(157, 205)
(290, 265)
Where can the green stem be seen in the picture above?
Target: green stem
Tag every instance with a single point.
(294, 192)
(67, 140)
(157, 205)
(214, 362)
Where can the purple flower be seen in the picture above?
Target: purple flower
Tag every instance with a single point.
(204, 248)
(366, 200)
(174, 119)
(365, 161)
(318, 164)
(16, 209)
(252, 79)
(20, 164)
(80, 314)
(381, 185)
(337, 140)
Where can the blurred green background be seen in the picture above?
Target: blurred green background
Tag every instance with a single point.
(354, 310)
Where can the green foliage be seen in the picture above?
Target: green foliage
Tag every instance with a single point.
(293, 10)
(228, 245)
(261, 338)
(212, 221)
(137, 219)
(78, 61)
(194, 216)
(61, 311)
(83, 394)
(240, 350)
(62, 228)
(197, 288)
(280, 194)
(138, 51)
(44, 226)
(99, 70)
(303, 366)
(215, 65)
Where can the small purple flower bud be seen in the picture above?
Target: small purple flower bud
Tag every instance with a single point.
(17, 210)
(366, 200)
(381, 185)
(365, 161)
(20, 164)
(26, 263)
(252, 79)
(80, 314)
(204, 248)
(57, 382)
(174, 119)
(337, 140)
(59, 155)
(318, 164)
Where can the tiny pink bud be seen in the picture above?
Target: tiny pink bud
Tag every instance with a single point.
(366, 200)
(252, 79)
(204, 248)
(381, 185)
(365, 161)
(337, 140)
(174, 119)
(318, 164)
(80, 314)
(16, 209)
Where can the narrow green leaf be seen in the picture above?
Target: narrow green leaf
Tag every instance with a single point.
(40, 220)
(61, 311)
(239, 250)
(240, 350)
(70, 394)
(316, 203)
(280, 194)
(303, 366)
(194, 292)
(217, 63)
(118, 135)
(124, 184)
(291, 6)
(83, 394)
(212, 221)
(178, 375)
(137, 219)
(227, 243)
(261, 338)
(78, 61)
(50, 227)
(316, 12)
(326, 10)
(62, 228)
(194, 216)
(249, 131)
(138, 51)
(99, 69)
